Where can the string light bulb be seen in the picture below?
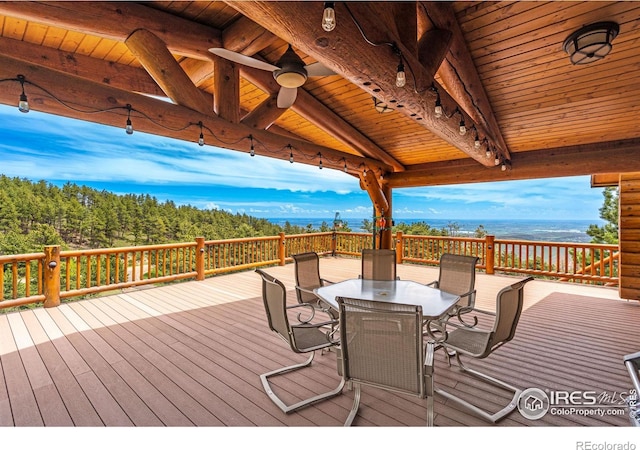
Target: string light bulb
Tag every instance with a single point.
(345, 165)
(23, 104)
(488, 154)
(497, 160)
(504, 167)
(320, 164)
(201, 138)
(290, 154)
(328, 17)
(463, 128)
(401, 77)
(477, 142)
(129, 127)
(253, 151)
(438, 109)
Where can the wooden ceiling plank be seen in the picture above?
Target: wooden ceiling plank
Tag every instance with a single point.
(75, 95)
(346, 52)
(116, 20)
(199, 71)
(154, 56)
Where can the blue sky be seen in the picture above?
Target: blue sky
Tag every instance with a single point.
(39, 146)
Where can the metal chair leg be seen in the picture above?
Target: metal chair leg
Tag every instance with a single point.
(354, 408)
(301, 404)
(495, 417)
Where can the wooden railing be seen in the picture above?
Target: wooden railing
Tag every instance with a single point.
(592, 263)
(53, 275)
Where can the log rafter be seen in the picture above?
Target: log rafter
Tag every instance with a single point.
(315, 112)
(74, 95)
(346, 52)
(244, 36)
(459, 73)
(154, 56)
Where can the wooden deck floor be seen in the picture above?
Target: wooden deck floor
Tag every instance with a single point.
(191, 354)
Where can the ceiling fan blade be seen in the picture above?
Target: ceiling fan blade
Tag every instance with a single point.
(318, 70)
(242, 59)
(286, 97)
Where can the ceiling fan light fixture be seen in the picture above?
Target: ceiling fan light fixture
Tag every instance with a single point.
(292, 77)
(591, 43)
(292, 73)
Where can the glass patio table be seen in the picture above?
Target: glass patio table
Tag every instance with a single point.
(434, 302)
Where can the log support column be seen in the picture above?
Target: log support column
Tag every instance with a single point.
(381, 199)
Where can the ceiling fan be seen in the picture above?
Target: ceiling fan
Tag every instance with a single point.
(290, 72)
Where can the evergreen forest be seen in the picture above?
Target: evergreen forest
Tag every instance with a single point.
(35, 214)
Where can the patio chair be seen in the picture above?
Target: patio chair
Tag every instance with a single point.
(470, 340)
(382, 346)
(307, 272)
(302, 337)
(458, 276)
(378, 264)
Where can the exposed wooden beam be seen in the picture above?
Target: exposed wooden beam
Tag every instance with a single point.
(619, 156)
(116, 20)
(263, 116)
(111, 74)
(154, 56)
(460, 76)
(315, 112)
(75, 95)
(370, 183)
(346, 52)
(433, 46)
(226, 82)
(246, 37)
(605, 179)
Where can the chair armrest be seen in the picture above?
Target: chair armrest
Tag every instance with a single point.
(308, 291)
(467, 310)
(299, 316)
(325, 281)
(315, 325)
(433, 284)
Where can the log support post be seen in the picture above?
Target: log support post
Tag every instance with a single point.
(281, 249)
(51, 276)
(490, 254)
(381, 199)
(200, 258)
(399, 249)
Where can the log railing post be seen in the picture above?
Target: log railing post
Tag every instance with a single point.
(490, 254)
(200, 258)
(399, 249)
(281, 250)
(51, 276)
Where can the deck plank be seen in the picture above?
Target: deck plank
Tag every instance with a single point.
(191, 353)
